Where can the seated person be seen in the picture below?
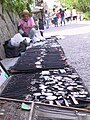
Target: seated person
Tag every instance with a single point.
(26, 25)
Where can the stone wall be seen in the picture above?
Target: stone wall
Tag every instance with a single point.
(8, 27)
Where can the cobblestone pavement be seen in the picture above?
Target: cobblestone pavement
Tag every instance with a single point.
(69, 29)
(77, 50)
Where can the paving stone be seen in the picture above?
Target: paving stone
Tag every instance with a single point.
(77, 50)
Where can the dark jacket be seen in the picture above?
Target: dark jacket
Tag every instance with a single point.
(41, 24)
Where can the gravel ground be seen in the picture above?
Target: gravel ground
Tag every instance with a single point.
(77, 50)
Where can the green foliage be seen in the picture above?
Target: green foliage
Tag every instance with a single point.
(15, 5)
(69, 3)
(87, 15)
(84, 5)
(80, 5)
(19, 5)
(30, 1)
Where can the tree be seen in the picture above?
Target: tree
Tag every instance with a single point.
(83, 5)
(80, 5)
(68, 3)
(15, 5)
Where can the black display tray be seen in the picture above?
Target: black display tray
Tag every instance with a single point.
(51, 58)
(21, 85)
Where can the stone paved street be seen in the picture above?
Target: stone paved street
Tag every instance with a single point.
(76, 45)
(77, 50)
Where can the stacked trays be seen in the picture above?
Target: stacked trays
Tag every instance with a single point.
(48, 112)
(44, 75)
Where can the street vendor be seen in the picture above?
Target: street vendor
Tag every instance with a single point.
(26, 25)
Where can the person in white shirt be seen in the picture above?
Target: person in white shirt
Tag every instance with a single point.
(55, 17)
(47, 19)
(74, 14)
(68, 15)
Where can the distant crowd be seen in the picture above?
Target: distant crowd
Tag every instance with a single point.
(60, 17)
(29, 23)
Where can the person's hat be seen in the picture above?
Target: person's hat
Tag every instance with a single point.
(26, 12)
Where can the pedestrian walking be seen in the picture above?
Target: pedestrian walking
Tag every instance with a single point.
(59, 17)
(62, 12)
(54, 18)
(74, 14)
(46, 19)
(68, 15)
(41, 26)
